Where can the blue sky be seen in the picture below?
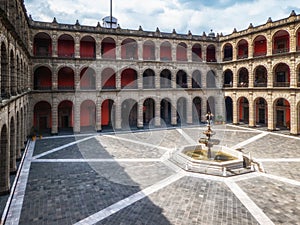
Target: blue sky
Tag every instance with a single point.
(183, 15)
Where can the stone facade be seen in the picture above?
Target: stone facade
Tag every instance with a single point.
(57, 77)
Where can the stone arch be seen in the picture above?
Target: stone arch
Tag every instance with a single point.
(165, 111)
(42, 119)
(181, 111)
(165, 78)
(228, 78)
(229, 109)
(42, 44)
(227, 52)
(4, 161)
(181, 79)
(148, 112)
(281, 73)
(282, 113)
(211, 53)
(42, 78)
(243, 77)
(129, 49)
(243, 110)
(259, 46)
(108, 114)
(87, 47)
(129, 113)
(196, 79)
(66, 46)
(242, 49)
(211, 79)
(149, 50)
(196, 110)
(108, 78)
(281, 41)
(5, 89)
(88, 79)
(165, 51)
(261, 111)
(148, 79)
(12, 145)
(196, 53)
(181, 52)
(65, 78)
(87, 115)
(108, 48)
(129, 79)
(260, 76)
(65, 115)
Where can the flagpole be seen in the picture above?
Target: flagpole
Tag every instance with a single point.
(110, 13)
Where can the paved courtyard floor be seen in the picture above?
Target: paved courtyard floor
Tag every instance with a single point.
(127, 179)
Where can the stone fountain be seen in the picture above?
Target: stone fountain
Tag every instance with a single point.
(209, 157)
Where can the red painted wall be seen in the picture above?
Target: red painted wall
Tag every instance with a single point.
(211, 54)
(260, 46)
(109, 50)
(105, 113)
(165, 52)
(42, 109)
(87, 113)
(87, 49)
(181, 54)
(148, 52)
(128, 79)
(65, 48)
(66, 79)
(197, 53)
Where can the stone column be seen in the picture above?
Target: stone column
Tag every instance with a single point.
(173, 51)
(189, 53)
(235, 110)
(293, 73)
(157, 51)
(189, 111)
(234, 51)
(293, 116)
(118, 116)
(157, 121)
(270, 74)
(250, 76)
(140, 79)
(140, 50)
(269, 44)
(77, 115)
(54, 109)
(203, 109)
(118, 49)
(250, 49)
(157, 80)
(98, 48)
(118, 79)
(234, 77)
(251, 111)
(174, 112)
(140, 121)
(77, 46)
(271, 123)
(54, 44)
(203, 49)
(98, 115)
(54, 78)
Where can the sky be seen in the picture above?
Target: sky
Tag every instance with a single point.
(198, 16)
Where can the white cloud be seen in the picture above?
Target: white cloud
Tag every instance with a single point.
(183, 15)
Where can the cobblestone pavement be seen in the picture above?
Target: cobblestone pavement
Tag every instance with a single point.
(127, 179)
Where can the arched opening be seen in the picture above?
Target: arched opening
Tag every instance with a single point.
(129, 49)
(165, 51)
(227, 52)
(261, 77)
(65, 115)
(282, 75)
(298, 76)
(129, 114)
(281, 42)
(211, 53)
(65, 46)
(87, 115)
(298, 39)
(196, 53)
(87, 47)
(148, 112)
(210, 105)
(42, 78)
(42, 117)
(211, 79)
(13, 80)
(108, 48)
(260, 46)
(149, 50)
(282, 113)
(181, 111)
(229, 109)
(148, 79)
(243, 110)
(108, 79)
(5, 92)
(65, 79)
(181, 79)
(243, 77)
(196, 110)
(13, 165)
(42, 45)
(261, 112)
(165, 79)
(196, 79)
(18, 136)
(228, 78)
(181, 52)
(87, 79)
(4, 162)
(129, 79)
(107, 114)
(242, 49)
(165, 111)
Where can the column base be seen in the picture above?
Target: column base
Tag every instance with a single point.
(54, 134)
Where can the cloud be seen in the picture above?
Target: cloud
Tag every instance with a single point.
(183, 15)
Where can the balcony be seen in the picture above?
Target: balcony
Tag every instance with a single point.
(280, 50)
(245, 56)
(242, 84)
(66, 55)
(261, 84)
(258, 54)
(42, 88)
(66, 87)
(225, 59)
(281, 84)
(227, 86)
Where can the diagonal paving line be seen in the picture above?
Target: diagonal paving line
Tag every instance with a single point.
(110, 210)
(95, 160)
(62, 147)
(255, 211)
(186, 136)
(250, 140)
(139, 142)
(282, 179)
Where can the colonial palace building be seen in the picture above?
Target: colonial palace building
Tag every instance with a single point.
(68, 77)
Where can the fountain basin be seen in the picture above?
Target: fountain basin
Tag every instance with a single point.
(224, 162)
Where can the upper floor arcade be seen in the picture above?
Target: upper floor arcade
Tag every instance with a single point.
(127, 48)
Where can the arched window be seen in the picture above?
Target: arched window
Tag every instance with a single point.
(42, 45)
(87, 47)
(66, 46)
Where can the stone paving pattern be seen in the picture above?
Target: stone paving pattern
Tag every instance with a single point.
(61, 192)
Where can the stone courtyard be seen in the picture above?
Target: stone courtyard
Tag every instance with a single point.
(126, 178)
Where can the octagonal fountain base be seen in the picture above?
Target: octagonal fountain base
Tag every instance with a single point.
(224, 161)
